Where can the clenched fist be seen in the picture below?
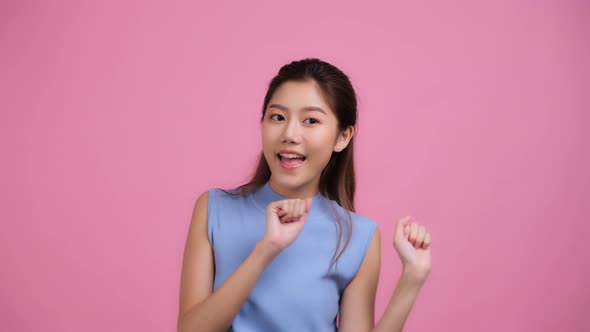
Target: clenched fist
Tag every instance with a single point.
(412, 243)
(285, 220)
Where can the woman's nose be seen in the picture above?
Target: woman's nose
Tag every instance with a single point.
(292, 132)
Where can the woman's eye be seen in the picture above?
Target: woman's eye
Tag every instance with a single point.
(277, 117)
(312, 121)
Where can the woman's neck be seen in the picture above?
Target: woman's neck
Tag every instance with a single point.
(303, 191)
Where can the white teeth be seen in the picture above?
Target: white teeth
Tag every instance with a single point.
(290, 156)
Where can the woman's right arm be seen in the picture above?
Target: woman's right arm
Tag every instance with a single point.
(200, 308)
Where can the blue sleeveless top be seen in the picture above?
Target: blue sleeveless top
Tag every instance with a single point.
(295, 292)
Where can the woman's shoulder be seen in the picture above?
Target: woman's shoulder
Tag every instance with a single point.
(357, 219)
(221, 196)
(364, 222)
(221, 192)
(207, 198)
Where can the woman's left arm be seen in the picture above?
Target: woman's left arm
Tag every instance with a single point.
(412, 243)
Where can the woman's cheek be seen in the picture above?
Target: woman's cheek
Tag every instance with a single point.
(322, 158)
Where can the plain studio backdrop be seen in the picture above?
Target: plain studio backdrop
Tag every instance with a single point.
(116, 115)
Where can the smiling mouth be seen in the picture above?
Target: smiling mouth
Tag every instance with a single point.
(291, 161)
(301, 158)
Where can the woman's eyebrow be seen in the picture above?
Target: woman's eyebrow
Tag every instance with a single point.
(307, 108)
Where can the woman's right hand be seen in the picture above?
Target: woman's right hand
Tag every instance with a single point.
(284, 221)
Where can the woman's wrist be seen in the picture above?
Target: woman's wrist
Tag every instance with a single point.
(267, 249)
(413, 277)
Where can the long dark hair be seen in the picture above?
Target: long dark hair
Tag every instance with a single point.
(337, 181)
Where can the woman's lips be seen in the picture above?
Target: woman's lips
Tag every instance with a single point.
(290, 164)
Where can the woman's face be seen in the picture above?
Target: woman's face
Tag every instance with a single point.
(299, 134)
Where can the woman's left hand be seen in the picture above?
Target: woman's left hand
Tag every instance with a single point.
(412, 243)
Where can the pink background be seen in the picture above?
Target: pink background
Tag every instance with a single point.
(116, 116)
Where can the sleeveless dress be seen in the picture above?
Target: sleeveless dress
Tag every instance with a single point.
(295, 292)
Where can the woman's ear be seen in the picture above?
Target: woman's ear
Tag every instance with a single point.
(344, 138)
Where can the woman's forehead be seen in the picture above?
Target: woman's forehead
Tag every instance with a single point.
(299, 96)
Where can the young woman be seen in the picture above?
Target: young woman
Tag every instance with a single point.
(286, 251)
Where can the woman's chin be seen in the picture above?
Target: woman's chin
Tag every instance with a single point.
(291, 181)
